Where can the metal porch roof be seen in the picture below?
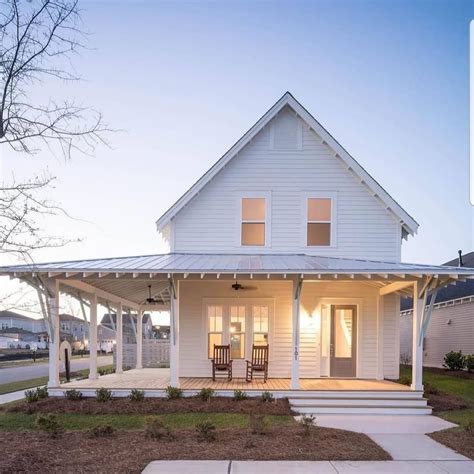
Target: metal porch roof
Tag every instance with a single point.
(235, 263)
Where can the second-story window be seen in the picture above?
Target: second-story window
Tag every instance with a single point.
(319, 222)
(253, 221)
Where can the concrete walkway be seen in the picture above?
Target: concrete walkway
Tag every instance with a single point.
(310, 467)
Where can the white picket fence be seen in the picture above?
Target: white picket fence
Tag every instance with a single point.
(156, 353)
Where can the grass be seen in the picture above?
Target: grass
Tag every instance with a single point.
(452, 385)
(78, 421)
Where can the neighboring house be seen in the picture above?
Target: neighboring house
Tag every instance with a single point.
(109, 321)
(10, 319)
(286, 241)
(452, 321)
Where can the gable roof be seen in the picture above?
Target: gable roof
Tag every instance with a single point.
(409, 225)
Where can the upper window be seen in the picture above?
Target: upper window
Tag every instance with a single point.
(319, 215)
(253, 221)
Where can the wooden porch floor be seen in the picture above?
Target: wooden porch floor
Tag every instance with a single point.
(158, 379)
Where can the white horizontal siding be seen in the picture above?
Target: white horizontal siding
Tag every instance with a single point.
(210, 223)
(391, 336)
(193, 336)
(441, 337)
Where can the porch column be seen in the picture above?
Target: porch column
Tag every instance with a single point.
(139, 339)
(174, 334)
(417, 348)
(54, 339)
(295, 366)
(380, 322)
(119, 340)
(93, 338)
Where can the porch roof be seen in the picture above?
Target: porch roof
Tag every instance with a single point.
(173, 263)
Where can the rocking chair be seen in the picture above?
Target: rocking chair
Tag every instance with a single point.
(258, 364)
(221, 362)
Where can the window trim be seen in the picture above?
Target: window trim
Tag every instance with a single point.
(332, 195)
(267, 195)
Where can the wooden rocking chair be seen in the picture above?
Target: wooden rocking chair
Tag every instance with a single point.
(221, 362)
(258, 364)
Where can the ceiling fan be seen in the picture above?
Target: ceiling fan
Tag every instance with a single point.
(150, 299)
(237, 286)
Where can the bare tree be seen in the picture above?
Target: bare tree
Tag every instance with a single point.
(37, 41)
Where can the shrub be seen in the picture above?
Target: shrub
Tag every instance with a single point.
(405, 359)
(239, 395)
(73, 394)
(267, 397)
(308, 423)
(136, 395)
(454, 360)
(404, 380)
(103, 395)
(156, 429)
(31, 396)
(173, 393)
(470, 362)
(206, 430)
(469, 427)
(206, 394)
(258, 424)
(106, 371)
(430, 389)
(42, 392)
(49, 424)
(101, 431)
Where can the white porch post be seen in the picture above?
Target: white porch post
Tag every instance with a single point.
(53, 310)
(119, 341)
(380, 322)
(417, 348)
(295, 365)
(139, 339)
(174, 329)
(93, 338)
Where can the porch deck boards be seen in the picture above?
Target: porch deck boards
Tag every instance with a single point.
(158, 379)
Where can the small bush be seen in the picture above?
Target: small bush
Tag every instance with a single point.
(156, 429)
(430, 389)
(49, 424)
(206, 394)
(173, 393)
(404, 380)
(308, 423)
(101, 431)
(267, 397)
(469, 427)
(206, 431)
(454, 360)
(106, 371)
(405, 359)
(42, 392)
(470, 362)
(258, 424)
(239, 395)
(103, 395)
(31, 396)
(136, 395)
(73, 394)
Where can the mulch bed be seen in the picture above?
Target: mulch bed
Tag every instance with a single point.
(131, 451)
(457, 439)
(462, 374)
(444, 402)
(154, 406)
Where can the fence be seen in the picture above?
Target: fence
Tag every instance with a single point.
(156, 353)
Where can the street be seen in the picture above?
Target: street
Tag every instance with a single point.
(40, 369)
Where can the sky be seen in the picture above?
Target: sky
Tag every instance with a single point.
(182, 81)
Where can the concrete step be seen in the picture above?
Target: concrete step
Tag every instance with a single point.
(363, 410)
(349, 394)
(405, 402)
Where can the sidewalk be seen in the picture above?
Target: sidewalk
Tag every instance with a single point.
(14, 396)
(310, 467)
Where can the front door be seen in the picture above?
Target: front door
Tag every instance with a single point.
(343, 341)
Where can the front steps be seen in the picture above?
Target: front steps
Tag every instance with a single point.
(361, 403)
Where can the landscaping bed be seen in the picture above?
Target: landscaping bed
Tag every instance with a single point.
(131, 451)
(458, 439)
(155, 406)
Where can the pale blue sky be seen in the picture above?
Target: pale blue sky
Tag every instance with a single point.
(185, 80)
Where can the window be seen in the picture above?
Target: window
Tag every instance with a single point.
(253, 216)
(237, 332)
(260, 324)
(319, 214)
(214, 318)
